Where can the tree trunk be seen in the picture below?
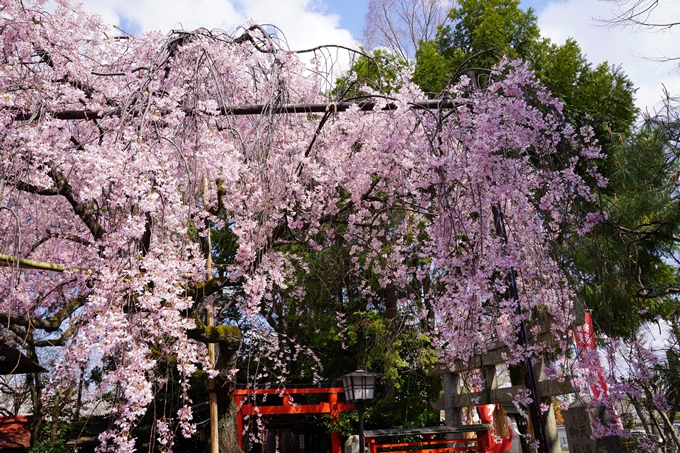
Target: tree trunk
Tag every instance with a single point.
(225, 353)
(54, 429)
(35, 386)
(79, 398)
(391, 311)
(228, 437)
(390, 302)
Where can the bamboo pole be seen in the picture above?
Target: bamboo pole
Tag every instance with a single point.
(214, 437)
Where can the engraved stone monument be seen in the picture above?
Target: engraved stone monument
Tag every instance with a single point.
(577, 421)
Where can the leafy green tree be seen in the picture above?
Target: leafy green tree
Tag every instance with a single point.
(479, 34)
(483, 25)
(338, 313)
(482, 32)
(631, 271)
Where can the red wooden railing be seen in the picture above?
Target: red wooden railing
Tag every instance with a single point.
(428, 444)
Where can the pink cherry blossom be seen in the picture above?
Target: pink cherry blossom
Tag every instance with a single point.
(109, 142)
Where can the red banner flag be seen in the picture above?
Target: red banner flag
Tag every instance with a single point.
(584, 337)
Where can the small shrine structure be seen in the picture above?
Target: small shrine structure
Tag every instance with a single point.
(282, 408)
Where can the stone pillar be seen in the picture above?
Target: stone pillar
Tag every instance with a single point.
(550, 425)
(577, 422)
(549, 422)
(490, 380)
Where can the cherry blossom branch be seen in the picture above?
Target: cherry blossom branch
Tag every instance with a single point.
(60, 341)
(67, 237)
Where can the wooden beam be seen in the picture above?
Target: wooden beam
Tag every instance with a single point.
(257, 109)
(372, 433)
(495, 355)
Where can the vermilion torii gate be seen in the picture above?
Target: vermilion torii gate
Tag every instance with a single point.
(244, 397)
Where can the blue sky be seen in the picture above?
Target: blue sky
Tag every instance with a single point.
(579, 19)
(352, 12)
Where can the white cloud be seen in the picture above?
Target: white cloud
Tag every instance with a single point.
(157, 15)
(302, 21)
(632, 49)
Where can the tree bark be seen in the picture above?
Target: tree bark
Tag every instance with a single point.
(226, 361)
(35, 385)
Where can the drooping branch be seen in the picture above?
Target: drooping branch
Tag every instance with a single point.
(51, 324)
(276, 233)
(60, 341)
(62, 187)
(646, 230)
(145, 242)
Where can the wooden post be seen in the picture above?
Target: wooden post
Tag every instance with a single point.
(214, 416)
(239, 421)
(453, 413)
(372, 446)
(214, 435)
(336, 440)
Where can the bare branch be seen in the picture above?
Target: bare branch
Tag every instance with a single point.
(401, 25)
(61, 341)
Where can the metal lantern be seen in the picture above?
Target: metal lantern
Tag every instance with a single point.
(360, 390)
(359, 386)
